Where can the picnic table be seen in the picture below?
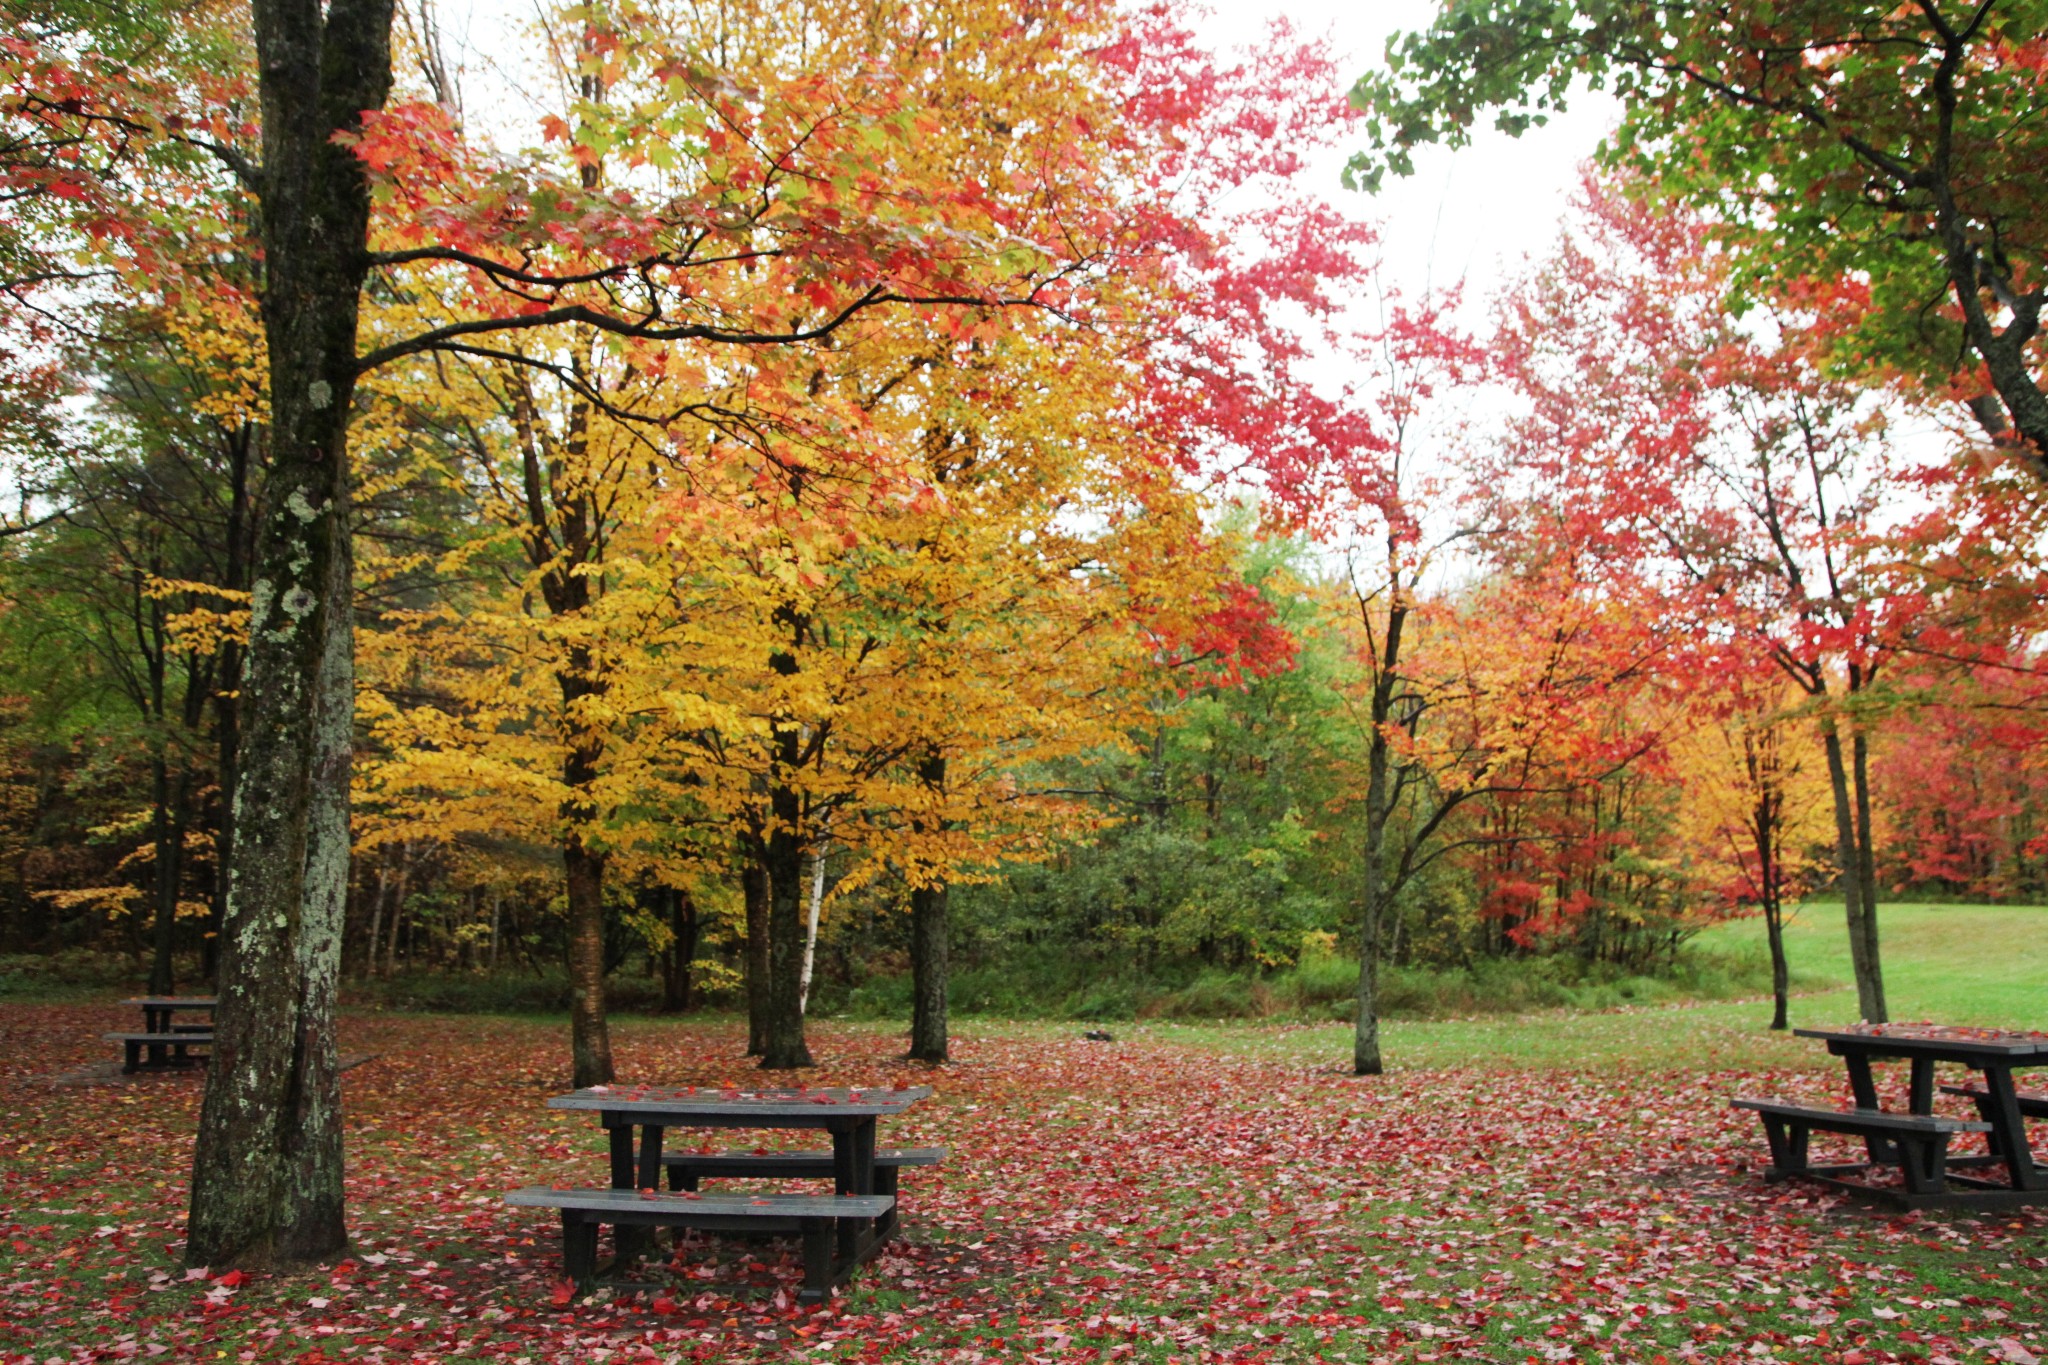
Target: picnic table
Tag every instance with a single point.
(165, 1041)
(854, 1220)
(158, 1009)
(1917, 1139)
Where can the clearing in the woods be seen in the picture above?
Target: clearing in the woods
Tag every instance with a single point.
(1545, 1188)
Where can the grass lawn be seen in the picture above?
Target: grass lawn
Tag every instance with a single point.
(1548, 1188)
(1978, 964)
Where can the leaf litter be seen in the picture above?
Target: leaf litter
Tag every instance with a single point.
(1150, 1202)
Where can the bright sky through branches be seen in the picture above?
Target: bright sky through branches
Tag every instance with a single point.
(1473, 214)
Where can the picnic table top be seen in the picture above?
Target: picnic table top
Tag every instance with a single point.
(764, 1102)
(174, 1002)
(1947, 1039)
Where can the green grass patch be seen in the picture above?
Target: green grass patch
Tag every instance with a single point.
(1973, 964)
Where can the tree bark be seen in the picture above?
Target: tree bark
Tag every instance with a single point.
(754, 889)
(590, 1043)
(267, 1163)
(814, 904)
(1850, 867)
(168, 820)
(930, 933)
(782, 1040)
(1374, 893)
(783, 1045)
(1781, 973)
(399, 883)
(929, 983)
(676, 992)
(242, 457)
(1761, 757)
(1869, 959)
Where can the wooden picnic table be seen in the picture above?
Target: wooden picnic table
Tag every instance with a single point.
(163, 1042)
(158, 1009)
(1993, 1053)
(848, 1114)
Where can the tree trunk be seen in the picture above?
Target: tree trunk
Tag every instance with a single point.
(783, 1039)
(929, 983)
(816, 904)
(267, 1163)
(168, 825)
(399, 883)
(754, 889)
(369, 962)
(783, 1044)
(1850, 864)
(1781, 974)
(1763, 759)
(1374, 893)
(590, 1042)
(227, 698)
(930, 935)
(682, 950)
(1866, 878)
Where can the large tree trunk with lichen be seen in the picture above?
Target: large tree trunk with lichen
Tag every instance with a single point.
(267, 1163)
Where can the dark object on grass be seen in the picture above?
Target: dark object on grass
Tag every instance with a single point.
(687, 1169)
(165, 1049)
(813, 1217)
(1918, 1144)
(1099, 1035)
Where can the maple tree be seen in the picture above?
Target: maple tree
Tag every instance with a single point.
(267, 1182)
(749, 248)
(1753, 805)
(1742, 485)
(1848, 142)
(776, 491)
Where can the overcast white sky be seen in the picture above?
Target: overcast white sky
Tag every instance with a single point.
(1471, 215)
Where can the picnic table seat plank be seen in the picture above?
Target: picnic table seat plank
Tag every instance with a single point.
(133, 1045)
(1921, 1140)
(687, 1169)
(815, 1218)
(2032, 1103)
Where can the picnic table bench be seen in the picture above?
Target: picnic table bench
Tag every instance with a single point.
(165, 1050)
(814, 1218)
(158, 1012)
(1921, 1141)
(1917, 1140)
(687, 1169)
